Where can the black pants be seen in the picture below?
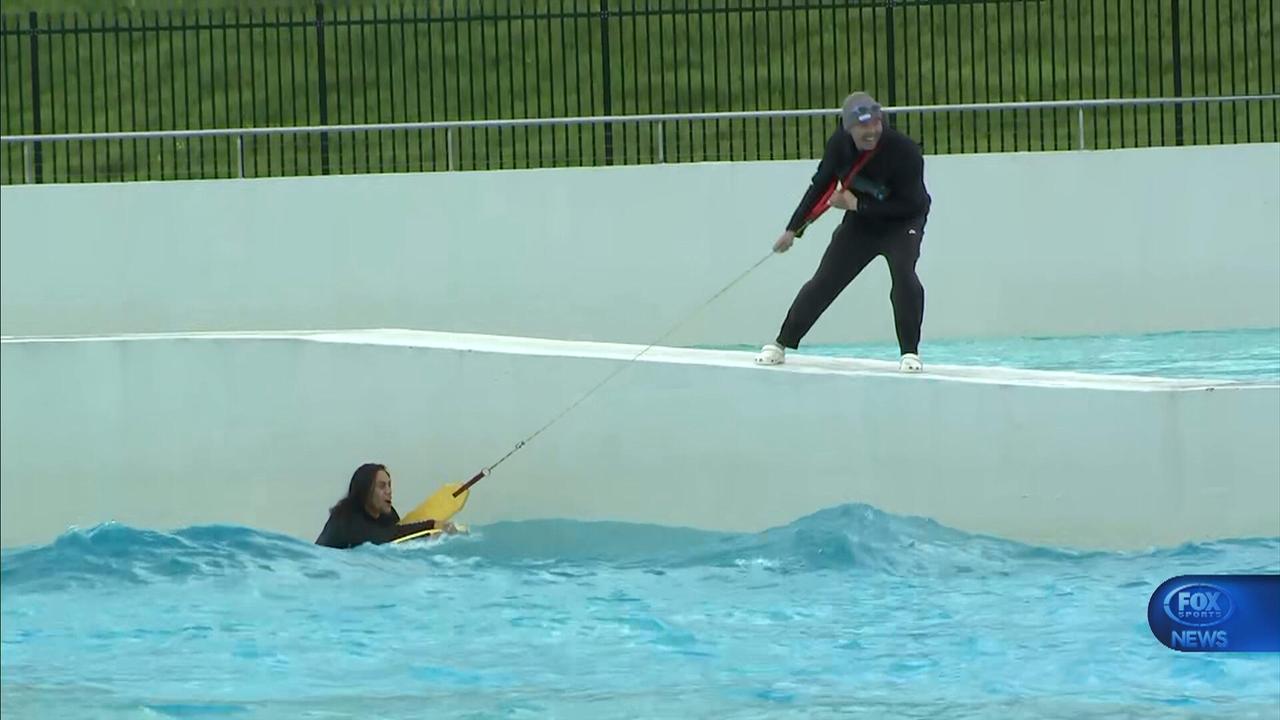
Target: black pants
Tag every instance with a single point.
(852, 248)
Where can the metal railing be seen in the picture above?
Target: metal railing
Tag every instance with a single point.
(33, 144)
(261, 63)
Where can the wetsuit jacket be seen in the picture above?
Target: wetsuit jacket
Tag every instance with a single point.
(347, 528)
(895, 172)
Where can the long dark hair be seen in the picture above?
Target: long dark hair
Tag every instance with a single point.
(358, 489)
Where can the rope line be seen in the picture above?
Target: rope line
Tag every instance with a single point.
(611, 376)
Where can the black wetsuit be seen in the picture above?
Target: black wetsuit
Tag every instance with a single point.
(893, 206)
(347, 528)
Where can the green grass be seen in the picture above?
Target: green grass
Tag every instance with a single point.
(214, 64)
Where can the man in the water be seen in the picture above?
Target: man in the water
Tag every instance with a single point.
(885, 215)
(366, 515)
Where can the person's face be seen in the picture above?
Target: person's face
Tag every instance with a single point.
(379, 500)
(867, 134)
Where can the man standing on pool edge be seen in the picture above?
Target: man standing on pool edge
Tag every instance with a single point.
(886, 206)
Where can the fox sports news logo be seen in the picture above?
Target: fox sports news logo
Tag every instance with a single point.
(1198, 605)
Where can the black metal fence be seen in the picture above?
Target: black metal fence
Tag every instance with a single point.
(489, 59)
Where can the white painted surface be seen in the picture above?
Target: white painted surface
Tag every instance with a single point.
(264, 430)
(1023, 243)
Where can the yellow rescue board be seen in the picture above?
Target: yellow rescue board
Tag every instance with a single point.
(462, 530)
(417, 535)
(440, 506)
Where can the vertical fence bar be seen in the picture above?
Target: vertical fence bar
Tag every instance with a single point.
(1026, 69)
(383, 78)
(37, 158)
(186, 85)
(1217, 46)
(51, 123)
(1146, 53)
(932, 121)
(1177, 69)
(716, 83)
(1244, 37)
(1106, 77)
(1202, 81)
(294, 93)
(1275, 106)
(665, 46)
(1040, 93)
(145, 96)
(890, 52)
(804, 126)
(404, 90)
(226, 84)
(606, 77)
(458, 70)
(93, 105)
(114, 33)
(634, 20)
(511, 91)
(351, 139)
(572, 16)
(110, 103)
(743, 76)
(377, 84)
(323, 90)
(536, 87)
(172, 31)
(7, 106)
(488, 112)
(1133, 64)
(973, 72)
(417, 83)
(277, 29)
(253, 82)
(364, 84)
(797, 62)
(511, 22)
(1080, 125)
(1094, 67)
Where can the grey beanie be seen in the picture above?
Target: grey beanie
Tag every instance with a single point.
(859, 107)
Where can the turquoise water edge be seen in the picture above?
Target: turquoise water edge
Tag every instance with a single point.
(1241, 355)
(849, 612)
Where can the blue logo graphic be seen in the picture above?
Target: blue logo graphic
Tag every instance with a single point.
(1217, 613)
(1198, 605)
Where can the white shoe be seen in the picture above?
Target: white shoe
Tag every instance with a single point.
(771, 354)
(911, 363)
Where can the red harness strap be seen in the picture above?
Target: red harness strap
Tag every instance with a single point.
(816, 211)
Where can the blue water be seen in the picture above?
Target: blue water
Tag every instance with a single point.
(849, 612)
(1249, 355)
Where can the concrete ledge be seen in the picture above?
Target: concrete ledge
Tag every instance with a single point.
(264, 429)
(1011, 249)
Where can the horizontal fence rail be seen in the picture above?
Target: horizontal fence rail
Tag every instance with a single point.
(730, 126)
(372, 63)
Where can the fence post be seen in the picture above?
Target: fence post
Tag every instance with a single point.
(240, 156)
(607, 77)
(1080, 124)
(890, 54)
(324, 88)
(662, 154)
(1177, 71)
(37, 159)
